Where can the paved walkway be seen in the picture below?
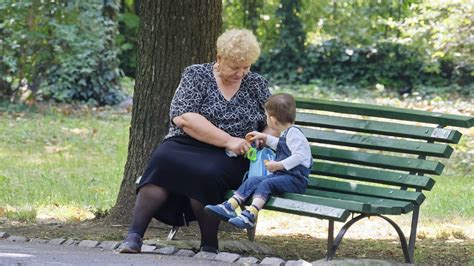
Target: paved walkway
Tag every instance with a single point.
(19, 250)
(26, 253)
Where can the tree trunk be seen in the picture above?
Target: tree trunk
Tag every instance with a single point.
(172, 35)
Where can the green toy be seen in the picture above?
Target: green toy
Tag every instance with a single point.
(251, 154)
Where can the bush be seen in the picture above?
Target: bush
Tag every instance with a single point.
(62, 51)
(396, 66)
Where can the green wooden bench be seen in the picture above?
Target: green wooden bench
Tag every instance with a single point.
(368, 161)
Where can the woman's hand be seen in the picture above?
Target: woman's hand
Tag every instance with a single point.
(273, 166)
(237, 145)
(179, 121)
(258, 137)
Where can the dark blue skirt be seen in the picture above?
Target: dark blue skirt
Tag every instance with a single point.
(188, 168)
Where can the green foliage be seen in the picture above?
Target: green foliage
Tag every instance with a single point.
(389, 64)
(442, 31)
(61, 51)
(395, 66)
(353, 21)
(287, 59)
(127, 39)
(257, 15)
(400, 44)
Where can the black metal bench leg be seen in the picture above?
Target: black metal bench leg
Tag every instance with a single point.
(403, 240)
(251, 232)
(414, 226)
(340, 235)
(172, 233)
(330, 235)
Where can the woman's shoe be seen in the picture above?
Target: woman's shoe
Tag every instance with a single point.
(209, 249)
(132, 244)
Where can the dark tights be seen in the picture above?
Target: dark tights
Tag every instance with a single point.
(208, 225)
(149, 200)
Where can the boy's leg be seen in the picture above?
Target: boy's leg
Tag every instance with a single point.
(248, 187)
(226, 210)
(248, 217)
(280, 184)
(277, 184)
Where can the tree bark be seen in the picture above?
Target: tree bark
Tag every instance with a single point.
(172, 35)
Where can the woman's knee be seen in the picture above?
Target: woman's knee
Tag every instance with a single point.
(152, 191)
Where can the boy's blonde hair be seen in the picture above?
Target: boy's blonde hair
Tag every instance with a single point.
(282, 106)
(238, 45)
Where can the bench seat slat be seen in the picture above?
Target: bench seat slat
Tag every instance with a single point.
(324, 208)
(378, 127)
(365, 190)
(386, 112)
(378, 143)
(377, 160)
(377, 205)
(336, 203)
(308, 209)
(372, 175)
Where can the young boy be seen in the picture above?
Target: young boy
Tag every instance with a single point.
(290, 170)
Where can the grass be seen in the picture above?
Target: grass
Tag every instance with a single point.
(58, 157)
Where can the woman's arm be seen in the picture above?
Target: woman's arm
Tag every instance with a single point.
(198, 127)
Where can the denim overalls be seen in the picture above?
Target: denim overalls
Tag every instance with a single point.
(294, 180)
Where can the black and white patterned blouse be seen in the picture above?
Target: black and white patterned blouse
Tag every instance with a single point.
(198, 93)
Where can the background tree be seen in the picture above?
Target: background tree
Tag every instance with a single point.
(127, 39)
(288, 56)
(172, 35)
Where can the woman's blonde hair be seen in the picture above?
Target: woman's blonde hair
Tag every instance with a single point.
(238, 45)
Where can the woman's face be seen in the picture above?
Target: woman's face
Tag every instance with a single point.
(232, 71)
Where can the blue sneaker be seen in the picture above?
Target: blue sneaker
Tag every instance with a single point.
(223, 210)
(245, 220)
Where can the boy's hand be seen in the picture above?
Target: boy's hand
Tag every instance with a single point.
(273, 166)
(259, 137)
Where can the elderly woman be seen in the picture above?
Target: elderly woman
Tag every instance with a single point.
(213, 108)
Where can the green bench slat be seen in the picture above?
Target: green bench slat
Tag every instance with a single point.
(377, 205)
(378, 127)
(332, 209)
(372, 175)
(377, 160)
(336, 203)
(386, 112)
(378, 143)
(308, 209)
(366, 190)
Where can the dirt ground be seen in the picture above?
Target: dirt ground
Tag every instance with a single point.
(293, 237)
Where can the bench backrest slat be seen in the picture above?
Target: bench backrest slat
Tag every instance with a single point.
(378, 143)
(377, 160)
(372, 175)
(378, 127)
(387, 112)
